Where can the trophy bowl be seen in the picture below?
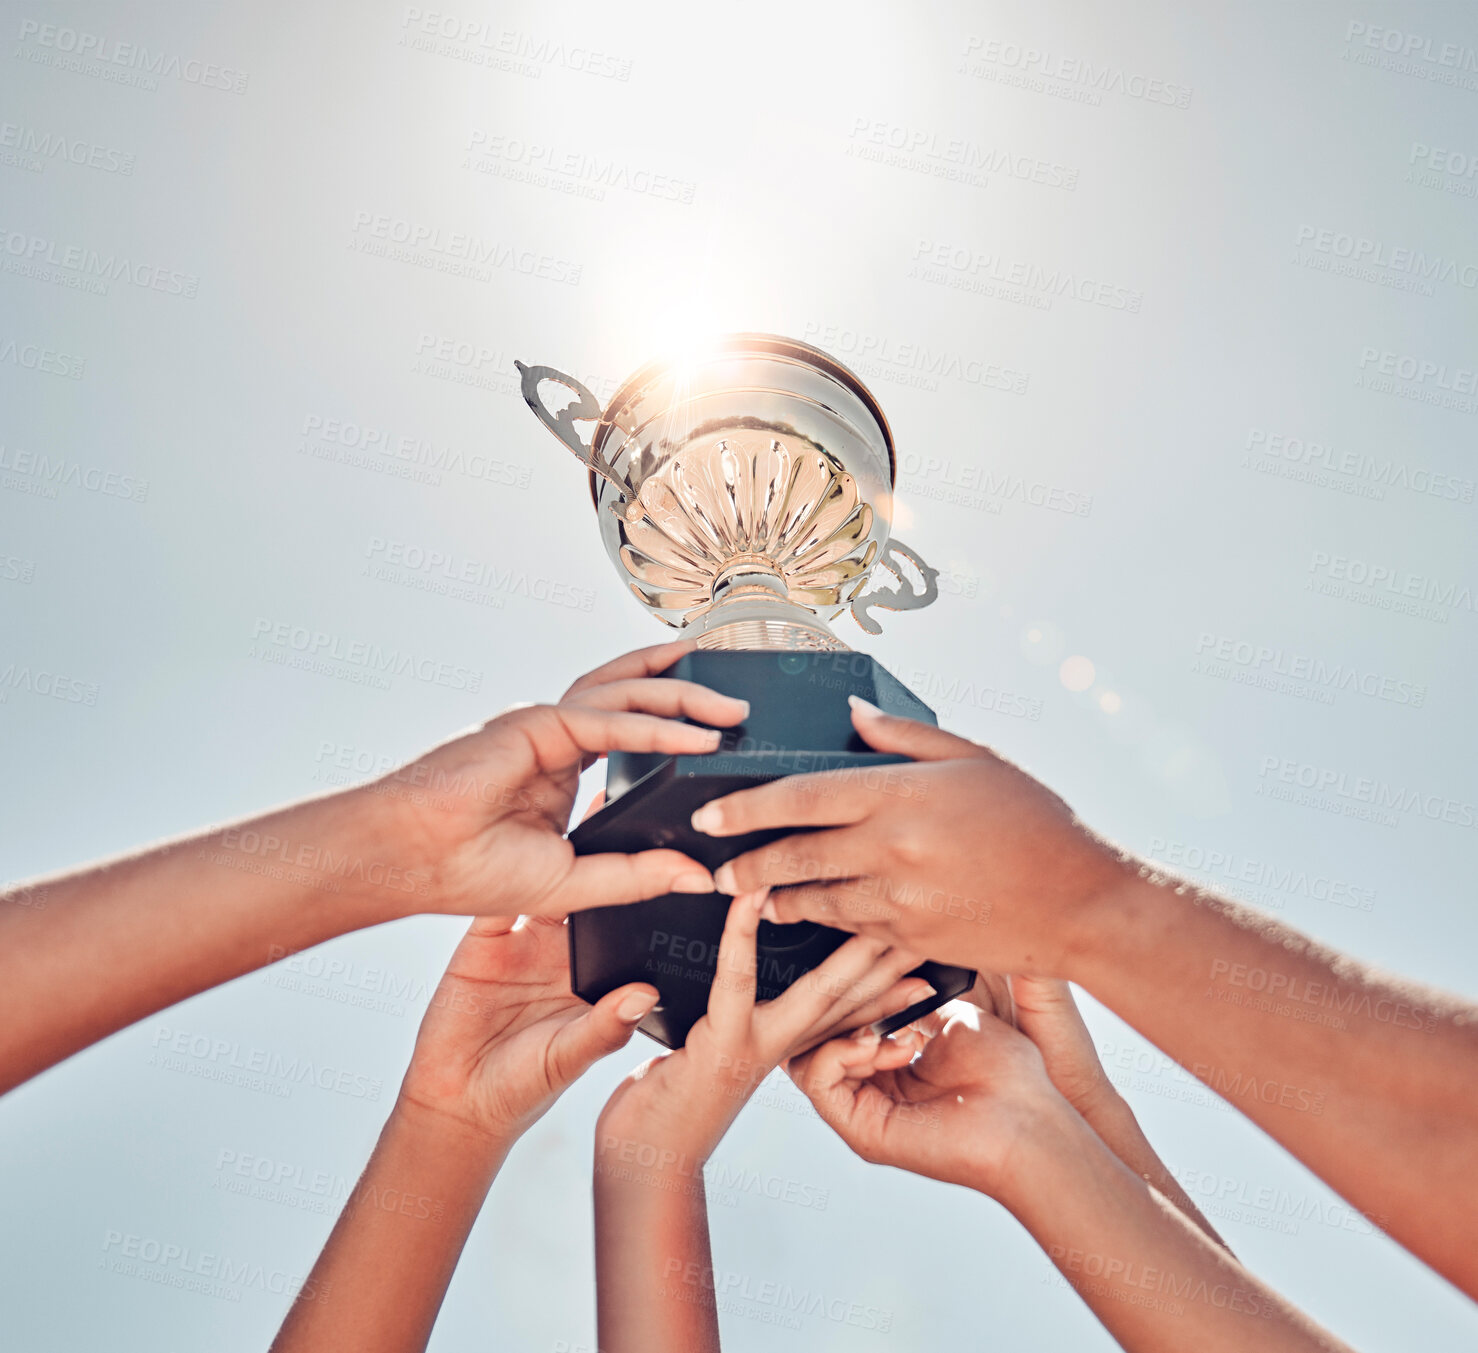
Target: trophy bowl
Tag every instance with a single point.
(745, 496)
(745, 493)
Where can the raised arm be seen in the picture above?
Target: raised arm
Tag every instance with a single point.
(976, 1107)
(1044, 1010)
(654, 1272)
(502, 1038)
(1369, 1080)
(475, 827)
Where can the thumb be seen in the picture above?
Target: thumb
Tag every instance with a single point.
(1047, 1014)
(909, 737)
(599, 1031)
(611, 879)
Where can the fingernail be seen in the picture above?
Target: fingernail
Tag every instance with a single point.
(768, 912)
(920, 991)
(712, 736)
(864, 707)
(635, 1007)
(743, 705)
(723, 879)
(694, 881)
(708, 818)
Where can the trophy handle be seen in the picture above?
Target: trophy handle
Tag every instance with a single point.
(905, 596)
(586, 409)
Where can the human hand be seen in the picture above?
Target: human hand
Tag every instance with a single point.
(953, 1096)
(963, 858)
(682, 1103)
(504, 1035)
(484, 816)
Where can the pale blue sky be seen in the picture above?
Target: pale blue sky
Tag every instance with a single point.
(1098, 266)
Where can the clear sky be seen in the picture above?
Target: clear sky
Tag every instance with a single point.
(1173, 313)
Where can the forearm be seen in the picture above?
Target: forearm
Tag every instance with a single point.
(1119, 1130)
(1372, 1083)
(1156, 1282)
(92, 951)
(379, 1283)
(653, 1265)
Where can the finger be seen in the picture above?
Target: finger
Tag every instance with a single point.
(831, 798)
(731, 998)
(1047, 1014)
(850, 991)
(823, 994)
(874, 1055)
(666, 697)
(821, 1073)
(902, 994)
(908, 737)
(489, 927)
(612, 879)
(606, 1026)
(644, 662)
(847, 904)
(899, 996)
(804, 858)
(600, 730)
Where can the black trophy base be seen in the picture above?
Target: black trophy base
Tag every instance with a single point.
(799, 720)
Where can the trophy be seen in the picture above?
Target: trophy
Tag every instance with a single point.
(745, 496)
